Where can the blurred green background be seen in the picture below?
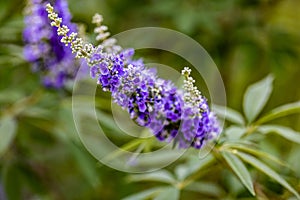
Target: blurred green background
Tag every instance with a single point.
(246, 39)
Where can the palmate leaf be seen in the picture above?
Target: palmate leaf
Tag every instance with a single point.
(240, 170)
(283, 131)
(267, 170)
(256, 97)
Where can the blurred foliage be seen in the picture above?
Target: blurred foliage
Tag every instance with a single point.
(41, 156)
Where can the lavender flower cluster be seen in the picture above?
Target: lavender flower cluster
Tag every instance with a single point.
(49, 57)
(172, 114)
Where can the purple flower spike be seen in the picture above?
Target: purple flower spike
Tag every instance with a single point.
(172, 114)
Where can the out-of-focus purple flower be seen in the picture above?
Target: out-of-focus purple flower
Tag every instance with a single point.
(43, 48)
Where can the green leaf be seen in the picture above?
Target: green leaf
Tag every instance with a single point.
(85, 165)
(280, 111)
(7, 132)
(283, 131)
(182, 171)
(256, 97)
(10, 95)
(163, 158)
(12, 181)
(168, 193)
(194, 164)
(240, 169)
(37, 112)
(234, 132)
(267, 170)
(233, 185)
(243, 147)
(31, 180)
(131, 145)
(65, 128)
(229, 114)
(207, 188)
(108, 121)
(293, 159)
(160, 176)
(146, 194)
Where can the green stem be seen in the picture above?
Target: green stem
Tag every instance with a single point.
(17, 108)
(250, 129)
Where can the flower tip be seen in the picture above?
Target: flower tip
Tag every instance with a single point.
(49, 8)
(186, 71)
(97, 19)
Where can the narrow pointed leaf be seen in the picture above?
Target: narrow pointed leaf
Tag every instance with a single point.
(240, 169)
(257, 153)
(207, 188)
(160, 176)
(7, 133)
(168, 193)
(12, 181)
(283, 131)
(280, 111)
(267, 170)
(86, 166)
(256, 97)
(193, 165)
(234, 132)
(146, 194)
(229, 114)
